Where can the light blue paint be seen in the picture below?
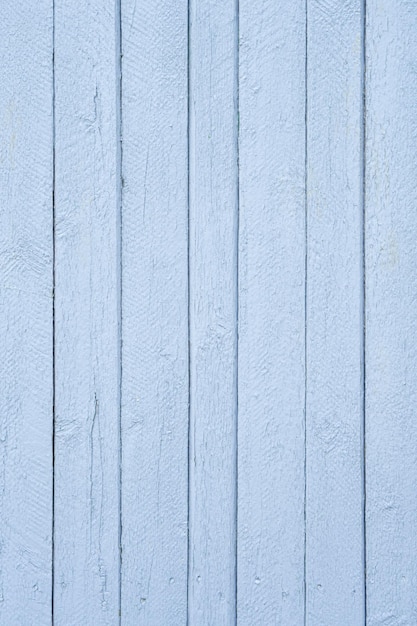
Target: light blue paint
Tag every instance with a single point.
(271, 349)
(86, 542)
(154, 312)
(26, 311)
(216, 317)
(334, 399)
(213, 204)
(391, 315)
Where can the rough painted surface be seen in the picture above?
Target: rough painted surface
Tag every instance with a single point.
(26, 335)
(213, 205)
(86, 523)
(271, 369)
(154, 312)
(391, 317)
(208, 282)
(334, 407)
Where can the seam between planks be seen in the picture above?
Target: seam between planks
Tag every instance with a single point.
(119, 182)
(188, 311)
(237, 148)
(363, 299)
(305, 301)
(53, 318)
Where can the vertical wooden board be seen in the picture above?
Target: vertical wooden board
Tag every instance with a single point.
(154, 312)
(334, 410)
(271, 313)
(213, 284)
(86, 537)
(391, 317)
(26, 333)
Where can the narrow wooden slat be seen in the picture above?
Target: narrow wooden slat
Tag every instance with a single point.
(86, 567)
(334, 414)
(26, 312)
(154, 313)
(391, 314)
(271, 313)
(213, 278)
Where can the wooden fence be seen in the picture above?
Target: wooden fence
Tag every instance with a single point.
(208, 313)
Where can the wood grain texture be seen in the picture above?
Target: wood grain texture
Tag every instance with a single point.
(271, 313)
(154, 313)
(334, 413)
(208, 243)
(26, 331)
(213, 314)
(86, 540)
(391, 319)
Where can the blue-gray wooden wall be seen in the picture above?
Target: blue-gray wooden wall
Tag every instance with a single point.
(208, 312)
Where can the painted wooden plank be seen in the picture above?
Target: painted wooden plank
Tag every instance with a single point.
(334, 410)
(86, 537)
(26, 331)
(213, 313)
(271, 313)
(391, 319)
(154, 312)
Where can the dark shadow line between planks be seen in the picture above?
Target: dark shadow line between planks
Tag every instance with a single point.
(189, 460)
(237, 244)
(363, 298)
(119, 218)
(305, 297)
(53, 319)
